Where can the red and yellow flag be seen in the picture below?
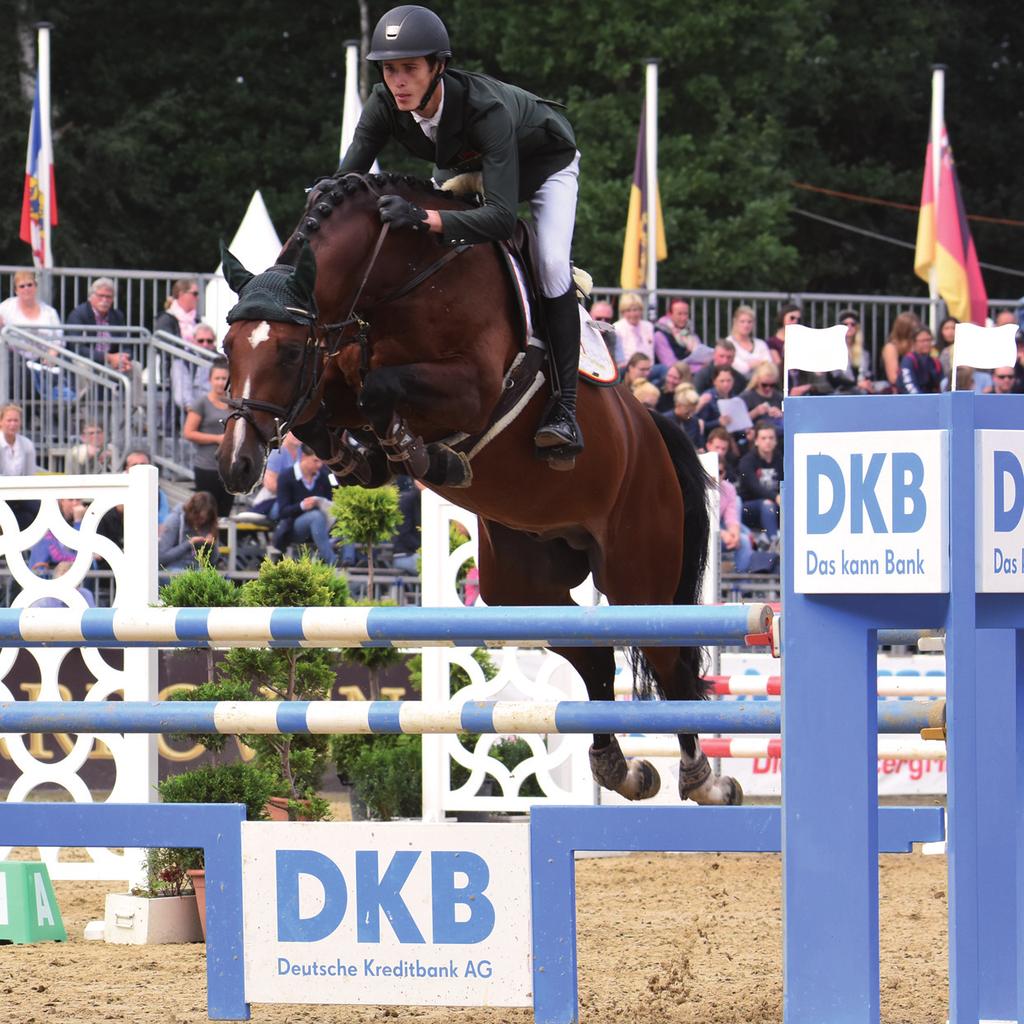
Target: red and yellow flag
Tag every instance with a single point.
(634, 249)
(944, 241)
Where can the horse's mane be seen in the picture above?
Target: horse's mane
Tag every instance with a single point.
(331, 192)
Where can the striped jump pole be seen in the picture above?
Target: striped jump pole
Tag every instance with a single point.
(619, 626)
(342, 717)
(890, 747)
(744, 685)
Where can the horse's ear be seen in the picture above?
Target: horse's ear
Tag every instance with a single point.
(304, 275)
(235, 274)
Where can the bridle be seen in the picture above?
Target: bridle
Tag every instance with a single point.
(325, 342)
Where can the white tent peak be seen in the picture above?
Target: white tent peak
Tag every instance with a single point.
(257, 245)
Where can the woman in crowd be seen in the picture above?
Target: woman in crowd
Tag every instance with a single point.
(179, 314)
(944, 346)
(646, 393)
(676, 374)
(707, 406)
(920, 372)
(188, 532)
(204, 427)
(749, 350)
(25, 309)
(857, 377)
(897, 345)
(684, 414)
(790, 313)
(635, 334)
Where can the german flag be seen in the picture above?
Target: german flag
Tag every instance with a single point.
(634, 250)
(944, 241)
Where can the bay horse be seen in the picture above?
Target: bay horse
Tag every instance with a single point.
(385, 350)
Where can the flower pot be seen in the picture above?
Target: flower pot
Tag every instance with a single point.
(141, 920)
(277, 809)
(198, 879)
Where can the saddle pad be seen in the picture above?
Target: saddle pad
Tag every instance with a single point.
(596, 363)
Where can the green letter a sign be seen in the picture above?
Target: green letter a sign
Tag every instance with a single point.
(28, 907)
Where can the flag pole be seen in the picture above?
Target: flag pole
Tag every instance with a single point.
(651, 148)
(937, 124)
(46, 159)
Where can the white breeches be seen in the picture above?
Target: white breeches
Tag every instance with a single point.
(554, 216)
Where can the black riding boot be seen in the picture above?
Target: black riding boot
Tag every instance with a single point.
(559, 433)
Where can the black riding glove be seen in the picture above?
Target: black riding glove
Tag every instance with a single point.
(400, 213)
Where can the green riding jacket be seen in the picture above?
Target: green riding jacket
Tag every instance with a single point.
(515, 138)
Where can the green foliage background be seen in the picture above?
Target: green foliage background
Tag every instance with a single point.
(167, 117)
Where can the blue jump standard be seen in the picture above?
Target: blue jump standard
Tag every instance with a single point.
(761, 716)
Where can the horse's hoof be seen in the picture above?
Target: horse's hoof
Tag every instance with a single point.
(642, 780)
(696, 783)
(635, 779)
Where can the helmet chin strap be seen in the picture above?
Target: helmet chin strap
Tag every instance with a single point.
(430, 88)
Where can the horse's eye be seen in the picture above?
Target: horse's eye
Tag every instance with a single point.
(289, 355)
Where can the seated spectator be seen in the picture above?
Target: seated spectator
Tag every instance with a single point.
(760, 472)
(790, 313)
(93, 455)
(707, 404)
(724, 354)
(602, 312)
(721, 443)
(646, 393)
(190, 381)
(204, 427)
(55, 602)
(54, 550)
(675, 339)
(763, 398)
(1002, 381)
(111, 525)
(635, 334)
(920, 371)
(897, 345)
(405, 544)
(736, 538)
(750, 350)
(638, 368)
(179, 313)
(98, 311)
(17, 458)
(857, 378)
(279, 461)
(189, 533)
(25, 309)
(304, 502)
(684, 414)
(676, 374)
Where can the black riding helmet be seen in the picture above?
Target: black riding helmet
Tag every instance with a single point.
(411, 31)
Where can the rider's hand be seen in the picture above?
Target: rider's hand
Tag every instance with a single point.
(401, 213)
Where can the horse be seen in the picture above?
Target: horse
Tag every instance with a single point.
(385, 351)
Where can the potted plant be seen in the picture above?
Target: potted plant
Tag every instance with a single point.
(366, 516)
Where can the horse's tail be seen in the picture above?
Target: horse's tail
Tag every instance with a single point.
(694, 483)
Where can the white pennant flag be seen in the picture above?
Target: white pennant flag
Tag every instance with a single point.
(984, 347)
(816, 349)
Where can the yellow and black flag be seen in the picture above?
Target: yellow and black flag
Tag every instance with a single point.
(634, 249)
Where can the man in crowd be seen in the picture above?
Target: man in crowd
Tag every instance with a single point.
(98, 311)
(93, 455)
(723, 356)
(1002, 380)
(675, 338)
(760, 483)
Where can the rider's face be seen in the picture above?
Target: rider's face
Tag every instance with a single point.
(408, 79)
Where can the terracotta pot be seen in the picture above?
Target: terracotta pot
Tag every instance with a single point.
(277, 809)
(198, 878)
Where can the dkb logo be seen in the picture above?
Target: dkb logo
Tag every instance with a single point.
(461, 913)
(1008, 504)
(907, 509)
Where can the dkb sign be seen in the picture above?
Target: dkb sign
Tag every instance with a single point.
(1000, 510)
(871, 512)
(387, 914)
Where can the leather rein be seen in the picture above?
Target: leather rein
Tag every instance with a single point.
(324, 342)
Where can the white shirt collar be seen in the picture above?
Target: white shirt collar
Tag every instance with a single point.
(429, 124)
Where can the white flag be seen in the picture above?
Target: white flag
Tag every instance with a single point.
(984, 347)
(816, 349)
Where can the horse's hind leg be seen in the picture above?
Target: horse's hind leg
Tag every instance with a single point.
(516, 569)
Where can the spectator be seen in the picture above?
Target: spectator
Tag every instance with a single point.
(637, 368)
(635, 334)
(721, 443)
(684, 414)
(1018, 366)
(602, 312)
(189, 381)
(55, 602)
(17, 453)
(1005, 316)
(920, 372)
(763, 398)
(1002, 380)
(857, 376)
(897, 345)
(24, 308)
(405, 544)
(189, 533)
(750, 350)
(724, 355)
(93, 454)
(98, 310)
(675, 339)
(646, 393)
(304, 500)
(51, 551)
(676, 374)
(204, 427)
(947, 335)
(760, 472)
(279, 461)
(790, 313)
(735, 535)
(707, 405)
(179, 313)
(111, 525)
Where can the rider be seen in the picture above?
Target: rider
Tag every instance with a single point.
(526, 150)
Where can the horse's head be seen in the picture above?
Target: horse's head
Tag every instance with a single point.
(272, 354)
